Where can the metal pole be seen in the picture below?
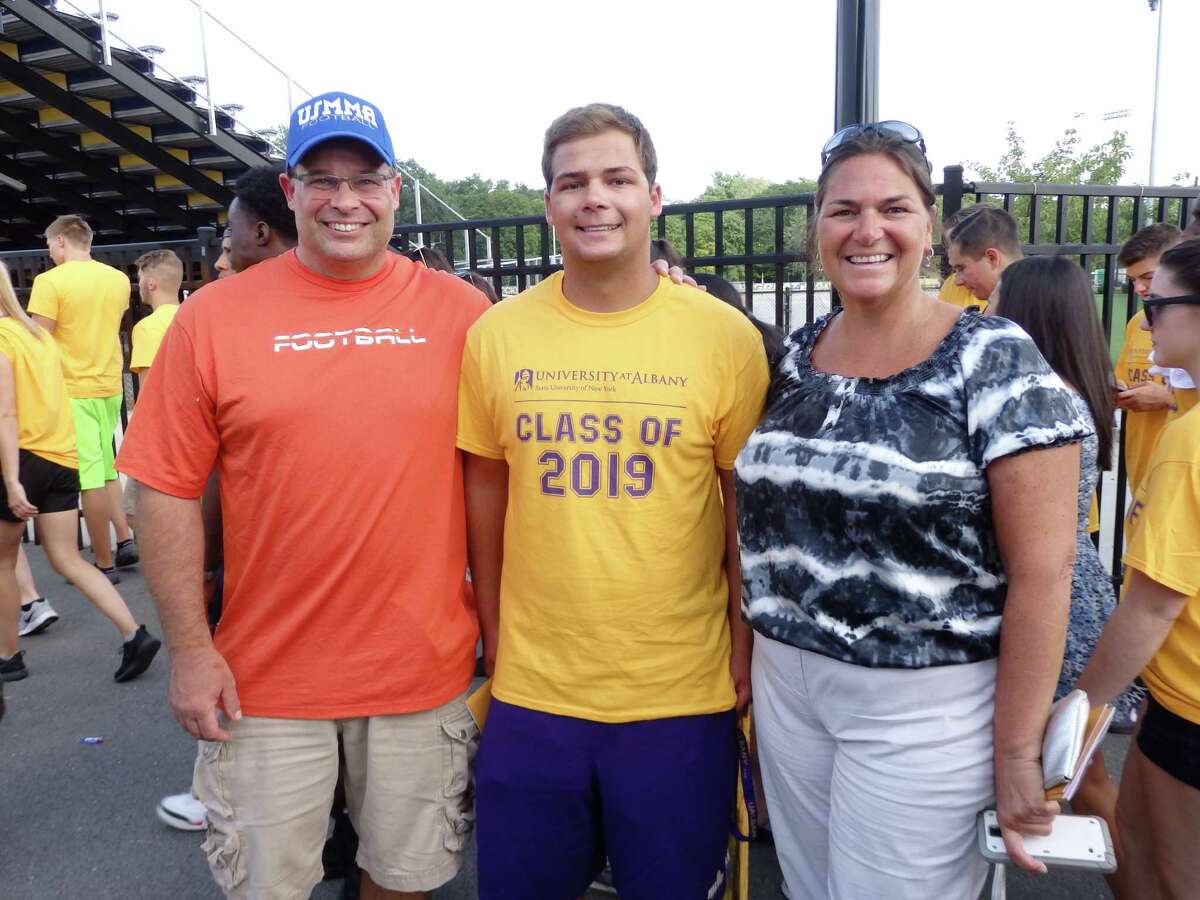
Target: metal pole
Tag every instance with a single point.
(856, 97)
(417, 200)
(1154, 115)
(105, 49)
(212, 110)
(291, 105)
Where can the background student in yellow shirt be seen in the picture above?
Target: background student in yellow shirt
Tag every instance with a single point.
(600, 413)
(160, 274)
(41, 479)
(1144, 397)
(981, 241)
(81, 302)
(1155, 631)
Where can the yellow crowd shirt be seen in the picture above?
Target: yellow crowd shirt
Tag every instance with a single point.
(45, 425)
(1183, 401)
(86, 299)
(1093, 522)
(613, 598)
(1141, 428)
(148, 334)
(1164, 545)
(960, 296)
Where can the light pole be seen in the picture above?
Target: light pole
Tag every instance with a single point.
(1156, 5)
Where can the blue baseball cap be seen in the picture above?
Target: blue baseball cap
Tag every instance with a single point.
(337, 115)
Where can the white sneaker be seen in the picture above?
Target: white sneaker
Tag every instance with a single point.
(41, 615)
(183, 811)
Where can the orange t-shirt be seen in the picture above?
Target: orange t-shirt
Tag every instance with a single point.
(329, 410)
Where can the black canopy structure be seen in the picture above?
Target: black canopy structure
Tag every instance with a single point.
(92, 129)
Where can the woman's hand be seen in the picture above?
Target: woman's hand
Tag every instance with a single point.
(1022, 807)
(18, 502)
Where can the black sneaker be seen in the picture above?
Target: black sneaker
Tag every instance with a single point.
(13, 668)
(136, 655)
(110, 573)
(126, 554)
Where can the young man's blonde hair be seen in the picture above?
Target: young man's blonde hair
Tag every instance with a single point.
(72, 228)
(11, 306)
(165, 265)
(591, 120)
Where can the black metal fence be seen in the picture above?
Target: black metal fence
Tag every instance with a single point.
(762, 243)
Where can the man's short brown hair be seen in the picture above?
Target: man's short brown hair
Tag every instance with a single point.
(1149, 242)
(161, 261)
(975, 229)
(594, 119)
(72, 228)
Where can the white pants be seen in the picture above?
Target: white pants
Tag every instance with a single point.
(874, 777)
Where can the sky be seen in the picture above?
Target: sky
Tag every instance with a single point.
(469, 86)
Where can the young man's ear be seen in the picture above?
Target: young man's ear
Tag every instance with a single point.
(262, 234)
(656, 201)
(993, 256)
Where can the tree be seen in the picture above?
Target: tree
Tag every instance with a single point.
(1069, 162)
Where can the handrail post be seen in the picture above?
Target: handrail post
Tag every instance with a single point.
(105, 48)
(212, 109)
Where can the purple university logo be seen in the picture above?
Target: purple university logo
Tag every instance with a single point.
(523, 380)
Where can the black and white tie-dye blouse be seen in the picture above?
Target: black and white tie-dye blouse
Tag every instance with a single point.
(864, 512)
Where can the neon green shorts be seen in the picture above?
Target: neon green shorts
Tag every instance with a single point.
(95, 425)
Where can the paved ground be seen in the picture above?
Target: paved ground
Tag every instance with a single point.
(78, 821)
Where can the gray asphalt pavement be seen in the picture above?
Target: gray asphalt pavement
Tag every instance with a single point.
(78, 821)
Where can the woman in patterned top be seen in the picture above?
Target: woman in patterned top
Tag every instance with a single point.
(1050, 298)
(907, 535)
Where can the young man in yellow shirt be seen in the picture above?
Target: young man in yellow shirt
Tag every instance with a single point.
(160, 275)
(1143, 395)
(81, 302)
(981, 242)
(600, 413)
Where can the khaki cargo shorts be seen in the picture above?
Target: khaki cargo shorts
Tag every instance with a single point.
(269, 791)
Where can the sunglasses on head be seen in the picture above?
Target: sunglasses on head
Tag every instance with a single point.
(909, 134)
(1152, 304)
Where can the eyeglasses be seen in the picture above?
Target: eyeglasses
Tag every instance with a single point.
(1153, 303)
(367, 184)
(891, 128)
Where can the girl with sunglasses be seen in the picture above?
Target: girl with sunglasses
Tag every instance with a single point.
(1155, 631)
(907, 530)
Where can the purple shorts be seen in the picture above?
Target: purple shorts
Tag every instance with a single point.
(555, 795)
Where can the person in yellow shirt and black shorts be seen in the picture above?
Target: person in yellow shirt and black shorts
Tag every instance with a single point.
(81, 302)
(1155, 631)
(40, 466)
(600, 413)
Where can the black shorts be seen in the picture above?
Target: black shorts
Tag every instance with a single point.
(1172, 743)
(49, 486)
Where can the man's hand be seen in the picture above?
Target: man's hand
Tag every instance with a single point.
(18, 502)
(739, 669)
(675, 273)
(1022, 808)
(200, 682)
(1150, 396)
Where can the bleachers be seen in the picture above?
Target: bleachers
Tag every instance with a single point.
(123, 144)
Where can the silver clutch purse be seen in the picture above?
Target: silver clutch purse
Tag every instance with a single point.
(1066, 731)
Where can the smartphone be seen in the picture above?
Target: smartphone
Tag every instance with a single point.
(1074, 842)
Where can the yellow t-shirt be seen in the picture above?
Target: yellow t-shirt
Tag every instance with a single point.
(613, 599)
(1164, 545)
(1141, 428)
(960, 296)
(1183, 402)
(148, 334)
(1093, 522)
(45, 425)
(86, 300)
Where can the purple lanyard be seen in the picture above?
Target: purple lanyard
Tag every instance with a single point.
(746, 770)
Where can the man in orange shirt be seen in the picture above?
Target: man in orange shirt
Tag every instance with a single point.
(328, 407)
(81, 302)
